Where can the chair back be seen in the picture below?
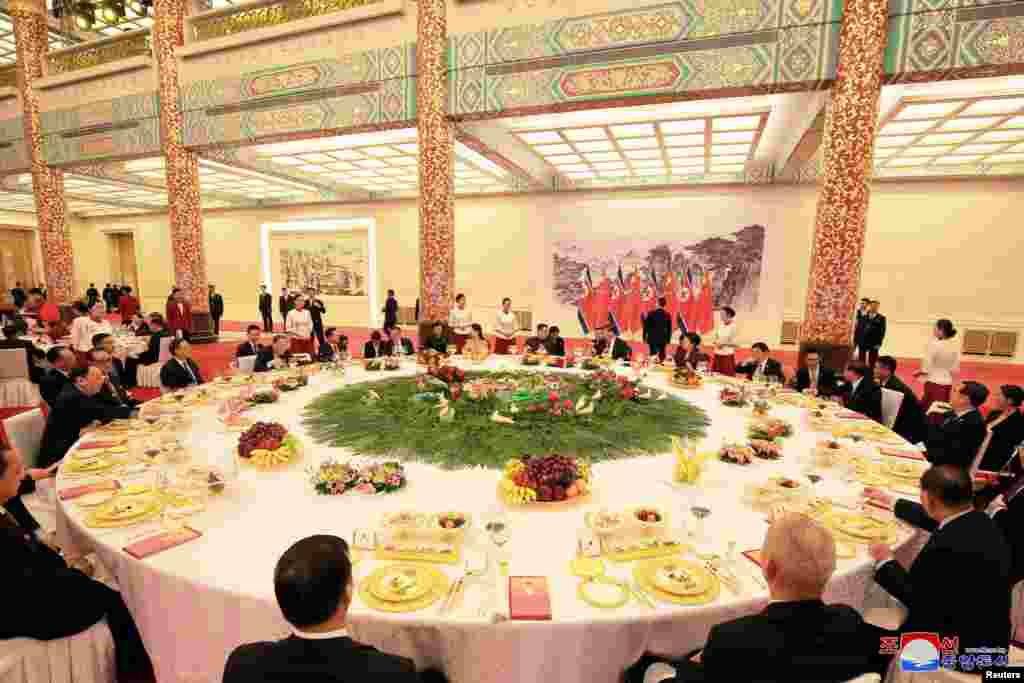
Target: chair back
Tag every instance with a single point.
(25, 432)
(891, 402)
(165, 350)
(247, 364)
(13, 364)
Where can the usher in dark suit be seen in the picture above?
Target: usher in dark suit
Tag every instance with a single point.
(868, 336)
(658, 329)
(866, 399)
(266, 304)
(329, 353)
(72, 411)
(772, 368)
(805, 641)
(826, 380)
(174, 375)
(910, 420)
(329, 660)
(955, 441)
(959, 584)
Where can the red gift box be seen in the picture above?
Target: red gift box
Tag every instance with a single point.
(528, 598)
(160, 542)
(79, 491)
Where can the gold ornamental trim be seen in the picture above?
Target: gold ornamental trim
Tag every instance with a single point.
(274, 14)
(9, 77)
(88, 55)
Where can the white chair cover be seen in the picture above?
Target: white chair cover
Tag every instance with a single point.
(25, 432)
(13, 364)
(149, 375)
(16, 390)
(247, 364)
(891, 402)
(86, 657)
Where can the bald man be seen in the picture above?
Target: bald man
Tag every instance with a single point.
(797, 637)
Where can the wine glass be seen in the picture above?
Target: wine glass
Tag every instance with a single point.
(497, 528)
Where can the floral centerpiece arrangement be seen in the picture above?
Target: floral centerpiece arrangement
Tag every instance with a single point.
(732, 397)
(684, 377)
(334, 478)
(292, 383)
(264, 395)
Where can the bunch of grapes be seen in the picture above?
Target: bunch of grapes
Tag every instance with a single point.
(552, 470)
(265, 435)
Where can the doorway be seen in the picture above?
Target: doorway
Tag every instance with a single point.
(123, 267)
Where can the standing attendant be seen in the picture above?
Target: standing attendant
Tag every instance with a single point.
(725, 343)
(299, 324)
(266, 304)
(84, 328)
(127, 305)
(658, 330)
(461, 321)
(870, 333)
(390, 311)
(316, 313)
(216, 308)
(92, 294)
(504, 328)
(941, 360)
(179, 315)
(108, 297)
(284, 304)
(18, 294)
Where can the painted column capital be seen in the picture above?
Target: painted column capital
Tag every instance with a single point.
(25, 8)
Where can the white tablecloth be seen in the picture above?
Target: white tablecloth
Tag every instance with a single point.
(196, 603)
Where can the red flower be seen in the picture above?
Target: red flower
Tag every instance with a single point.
(553, 397)
(567, 404)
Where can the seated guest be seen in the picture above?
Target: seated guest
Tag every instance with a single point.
(397, 341)
(966, 549)
(955, 440)
(608, 342)
(688, 352)
(113, 392)
(762, 365)
(1004, 427)
(11, 341)
(158, 331)
(437, 341)
(476, 346)
(910, 420)
(123, 368)
(138, 326)
(1008, 514)
(334, 350)
(251, 345)
(275, 357)
(62, 362)
(55, 330)
(46, 599)
(861, 394)
(373, 348)
(76, 408)
(602, 346)
(180, 371)
(314, 588)
(797, 637)
(554, 344)
(536, 343)
(814, 378)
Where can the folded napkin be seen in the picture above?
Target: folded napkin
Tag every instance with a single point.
(902, 453)
(851, 415)
(86, 489)
(165, 540)
(90, 445)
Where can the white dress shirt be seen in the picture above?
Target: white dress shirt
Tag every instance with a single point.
(725, 339)
(941, 360)
(505, 325)
(326, 635)
(82, 330)
(460, 320)
(299, 323)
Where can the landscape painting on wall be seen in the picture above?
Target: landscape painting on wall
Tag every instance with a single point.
(334, 264)
(616, 282)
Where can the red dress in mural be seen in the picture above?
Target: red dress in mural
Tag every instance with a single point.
(671, 297)
(634, 305)
(616, 300)
(585, 303)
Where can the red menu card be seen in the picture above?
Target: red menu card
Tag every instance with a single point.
(851, 415)
(528, 598)
(90, 445)
(86, 489)
(165, 540)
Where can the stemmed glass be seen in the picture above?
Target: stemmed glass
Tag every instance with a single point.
(497, 528)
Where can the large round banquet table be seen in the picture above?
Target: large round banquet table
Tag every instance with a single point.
(196, 602)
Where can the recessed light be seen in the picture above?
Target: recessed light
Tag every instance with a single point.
(643, 154)
(1000, 106)
(902, 128)
(565, 159)
(603, 156)
(580, 134)
(548, 150)
(690, 126)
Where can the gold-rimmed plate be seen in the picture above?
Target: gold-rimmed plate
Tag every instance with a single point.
(680, 577)
(861, 527)
(401, 583)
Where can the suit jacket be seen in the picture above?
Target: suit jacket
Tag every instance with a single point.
(216, 306)
(959, 584)
(284, 304)
(535, 344)
(51, 384)
(1010, 521)
(910, 420)
(328, 355)
(1006, 436)
(49, 600)
(266, 303)
(72, 411)
(621, 350)
(174, 376)
(265, 356)
(316, 313)
(805, 641)
(247, 349)
(658, 327)
(179, 319)
(870, 332)
(555, 347)
(331, 660)
(390, 312)
(692, 359)
(389, 347)
(152, 352)
(371, 351)
(772, 368)
(866, 399)
(439, 344)
(955, 441)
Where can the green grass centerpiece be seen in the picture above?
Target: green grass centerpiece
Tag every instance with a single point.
(461, 419)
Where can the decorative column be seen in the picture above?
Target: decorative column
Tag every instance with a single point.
(436, 160)
(30, 36)
(841, 221)
(182, 168)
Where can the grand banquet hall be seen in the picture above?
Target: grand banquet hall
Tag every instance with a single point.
(576, 341)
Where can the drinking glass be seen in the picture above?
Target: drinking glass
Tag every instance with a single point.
(497, 528)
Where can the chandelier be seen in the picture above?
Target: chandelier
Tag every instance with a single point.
(89, 15)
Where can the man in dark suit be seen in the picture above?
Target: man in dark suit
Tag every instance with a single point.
(536, 343)
(266, 304)
(76, 408)
(374, 347)
(956, 439)
(216, 308)
(658, 330)
(390, 311)
(284, 304)
(113, 392)
(62, 361)
(46, 599)
(18, 295)
(92, 295)
(1008, 514)
(180, 371)
(869, 333)
(439, 343)
(609, 343)
(317, 310)
(797, 637)
(910, 422)
(313, 585)
(276, 356)
(397, 341)
(11, 341)
(860, 393)
(762, 365)
(332, 352)
(959, 584)
(251, 346)
(157, 332)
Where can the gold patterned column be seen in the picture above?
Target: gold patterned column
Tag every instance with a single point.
(838, 241)
(437, 168)
(31, 40)
(182, 165)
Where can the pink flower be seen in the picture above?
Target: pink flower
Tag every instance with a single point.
(366, 487)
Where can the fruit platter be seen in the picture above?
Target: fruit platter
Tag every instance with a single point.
(761, 408)
(766, 450)
(736, 454)
(769, 429)
(531, 360)
(373, 364)
(291, 383)
(732, 397)
(828, 452)
(648, 517)
(268, 445)
(685, 378)
(264, 395)
(546, 479)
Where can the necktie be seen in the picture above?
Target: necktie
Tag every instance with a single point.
(191, 374)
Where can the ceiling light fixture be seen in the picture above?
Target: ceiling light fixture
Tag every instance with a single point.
(112, 11)
(84, 16)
